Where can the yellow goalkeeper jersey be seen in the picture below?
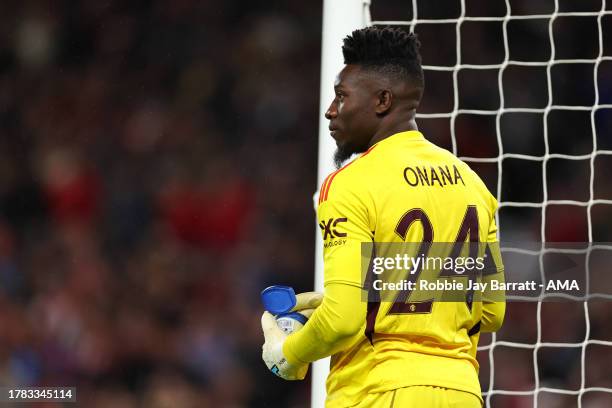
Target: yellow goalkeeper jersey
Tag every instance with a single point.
(403, 189)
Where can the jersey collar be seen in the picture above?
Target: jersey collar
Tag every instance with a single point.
(407, 135)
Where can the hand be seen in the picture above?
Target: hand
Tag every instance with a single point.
(272, 351)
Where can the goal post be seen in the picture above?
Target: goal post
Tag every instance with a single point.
(340, 18)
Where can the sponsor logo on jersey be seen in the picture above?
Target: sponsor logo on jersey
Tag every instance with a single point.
(330, 228)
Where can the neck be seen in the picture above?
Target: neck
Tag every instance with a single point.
(385, 131)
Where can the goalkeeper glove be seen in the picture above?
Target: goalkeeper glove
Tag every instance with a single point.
(307, 300)
(272, 351)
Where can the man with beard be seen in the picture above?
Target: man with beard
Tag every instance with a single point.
(403, 351)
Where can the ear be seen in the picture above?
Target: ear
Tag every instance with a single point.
(383, 101)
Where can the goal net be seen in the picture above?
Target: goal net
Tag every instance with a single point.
(522, 92)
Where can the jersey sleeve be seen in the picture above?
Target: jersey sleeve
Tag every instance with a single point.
(331, 328)
(345, 223)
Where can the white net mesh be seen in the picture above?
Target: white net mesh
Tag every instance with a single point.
(524, 95)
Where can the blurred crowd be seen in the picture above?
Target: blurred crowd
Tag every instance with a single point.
(157, 167)
(158, 160)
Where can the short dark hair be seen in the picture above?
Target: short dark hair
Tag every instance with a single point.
(391, 51)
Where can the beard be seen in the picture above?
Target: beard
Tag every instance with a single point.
(343, 153)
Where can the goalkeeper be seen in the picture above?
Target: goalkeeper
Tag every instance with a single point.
(402, 188)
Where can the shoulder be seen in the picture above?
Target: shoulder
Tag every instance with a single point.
(481, 188)
(469, 177)
(350, 179)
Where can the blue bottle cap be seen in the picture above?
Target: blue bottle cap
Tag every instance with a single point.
(278, 299)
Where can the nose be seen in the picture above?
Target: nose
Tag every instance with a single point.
(331, 112)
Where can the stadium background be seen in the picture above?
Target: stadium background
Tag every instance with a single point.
(157, 166)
